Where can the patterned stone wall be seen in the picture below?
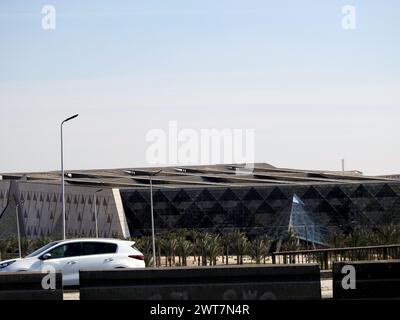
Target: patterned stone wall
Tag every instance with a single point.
(41, 211)
(4, 188)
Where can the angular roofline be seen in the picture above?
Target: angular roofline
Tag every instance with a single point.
(223, 175)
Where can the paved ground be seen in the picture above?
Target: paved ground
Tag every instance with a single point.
(326, 286)
(71, 295)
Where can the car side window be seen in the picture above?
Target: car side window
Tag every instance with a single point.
(66, 250)
(90, 248)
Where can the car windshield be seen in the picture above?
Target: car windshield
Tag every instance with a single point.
(42, 249)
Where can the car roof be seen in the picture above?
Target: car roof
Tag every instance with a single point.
(110, 240)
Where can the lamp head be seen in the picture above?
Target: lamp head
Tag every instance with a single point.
(70, 118)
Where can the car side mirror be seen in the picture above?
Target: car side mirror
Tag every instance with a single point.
(46, 256)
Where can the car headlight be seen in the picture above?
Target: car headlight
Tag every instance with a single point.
(6, 264)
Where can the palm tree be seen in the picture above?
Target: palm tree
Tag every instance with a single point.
(201, 245)
(259, 248)
(337, 240)
(290, 241)
(193, 236)
(180, 236)
(159, 246)
(358, 237)
(185, 248)
(13, 246)
(144, 244)
(226, 241)
(163, 250)
(213, 248)
(239, 245)
(4, 246)
(390, 234)
(169, 244)
(25, 246)
(196, 245)
(182, 233)
(41, 242)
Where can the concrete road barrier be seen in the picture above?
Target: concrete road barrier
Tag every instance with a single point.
(366, 280)
(204, 283)
(31, 286)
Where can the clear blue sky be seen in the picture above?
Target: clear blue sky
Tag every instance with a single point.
(313, 92)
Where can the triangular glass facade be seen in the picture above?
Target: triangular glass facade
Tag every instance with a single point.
(304, 226)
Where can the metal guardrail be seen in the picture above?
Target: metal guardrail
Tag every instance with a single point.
(326, 257)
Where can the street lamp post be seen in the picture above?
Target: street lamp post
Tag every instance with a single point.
(152, 217)
(62, 174)
(18, 231)
(95, 212)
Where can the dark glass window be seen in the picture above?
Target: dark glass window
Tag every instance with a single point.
(66, 250)
(42, 249)
(90, 248)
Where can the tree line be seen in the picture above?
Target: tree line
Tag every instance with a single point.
(174, 248)
(204, 247)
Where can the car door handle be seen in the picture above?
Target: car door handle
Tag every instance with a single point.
(71, 262)
(108, 260)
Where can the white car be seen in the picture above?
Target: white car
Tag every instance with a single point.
(70, 256)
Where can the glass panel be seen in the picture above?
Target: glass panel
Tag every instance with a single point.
(303, 225)
(90, 248)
